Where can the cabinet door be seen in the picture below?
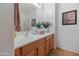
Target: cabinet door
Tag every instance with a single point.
(32, 53)
(29, 49)
(41, 47)
(41, 51)
(51, 42)
(17, 52)
(47, 47)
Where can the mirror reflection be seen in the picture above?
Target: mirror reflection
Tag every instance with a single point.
(33, 18)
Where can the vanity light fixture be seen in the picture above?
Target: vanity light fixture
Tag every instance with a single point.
(37, 5)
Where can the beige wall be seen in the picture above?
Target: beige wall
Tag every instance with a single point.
(6, 29)
(67, 35)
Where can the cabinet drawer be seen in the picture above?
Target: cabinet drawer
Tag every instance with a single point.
(41, 42)
(50, 36)
(28, 48)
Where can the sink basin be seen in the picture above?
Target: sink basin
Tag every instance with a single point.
(21, 35)
(33, 35)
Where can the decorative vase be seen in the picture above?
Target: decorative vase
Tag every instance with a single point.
(40, 31)
(46, 30)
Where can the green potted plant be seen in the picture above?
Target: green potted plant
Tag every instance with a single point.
(46, 26)
(39, 26)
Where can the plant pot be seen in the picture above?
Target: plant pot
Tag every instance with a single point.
(40, 31)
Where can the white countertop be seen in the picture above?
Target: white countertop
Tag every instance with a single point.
(23, 40)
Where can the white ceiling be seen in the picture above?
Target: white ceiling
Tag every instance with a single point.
(27, 7)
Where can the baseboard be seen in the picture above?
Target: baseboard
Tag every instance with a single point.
(71, 51)
(4, 54)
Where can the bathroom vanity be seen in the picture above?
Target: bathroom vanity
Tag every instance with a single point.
(39, 45)
(39, 42)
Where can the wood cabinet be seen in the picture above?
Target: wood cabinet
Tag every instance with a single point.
(27, 49)
(47, 45)
(40, 47)
(41, 51)
(32, 53)
(52, 42)
(17, 52)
